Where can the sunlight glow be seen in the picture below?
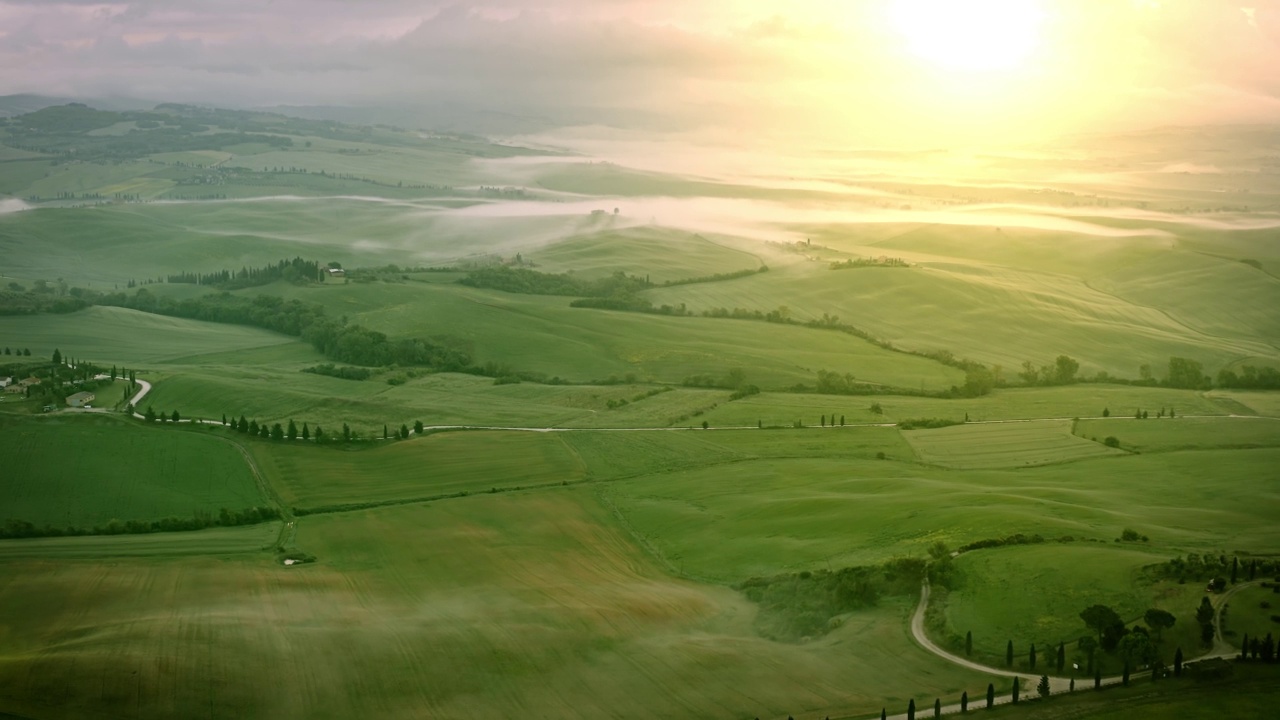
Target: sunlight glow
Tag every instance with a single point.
(969, 35)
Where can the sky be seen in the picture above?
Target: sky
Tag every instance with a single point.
(897, 73)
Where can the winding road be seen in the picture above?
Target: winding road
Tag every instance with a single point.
(1057, 685)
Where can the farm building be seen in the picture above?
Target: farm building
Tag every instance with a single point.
(33, 380)
(4, 381)
(337, 272)
(80, 399)
(14, 389)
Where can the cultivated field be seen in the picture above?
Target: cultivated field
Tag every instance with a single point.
(83, 471)
(1003, 445)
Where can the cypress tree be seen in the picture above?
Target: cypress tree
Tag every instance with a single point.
(384, 432)
(1097, 679)
(964, 701)
(1043, 687)
(883, 714)
(1033, 656)
(292, 432)
(1124, 678)
(1017, 683)
(1244, 647)
(911, 710)
(1008, 654)
(1062, 656)
(1177, 663)
(991, 695)
(306, 431)
(968, 643)
(1072, 687)
(937, 707)
(1235, 568)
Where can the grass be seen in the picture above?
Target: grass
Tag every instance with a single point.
(1251, 611)
(760, 517)
(118, 336)
(484, 606)
(1017, 444)
(215, 542)
(660, 254)
(422, 467)
(1186, 433)
(84, 471)
(543, 334)
(1035, 593)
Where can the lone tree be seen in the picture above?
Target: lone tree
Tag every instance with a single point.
(1008, 654)
(1100, 618)
(964, 701)
(1043, 687)
(991, 695)
(1159, 620)
(911, 710)
(937, 707)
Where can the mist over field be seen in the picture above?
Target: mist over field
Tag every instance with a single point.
(569, 359)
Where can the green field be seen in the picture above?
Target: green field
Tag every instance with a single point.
(729, 522)
(81, 471)
(543, 599)
(1194, 433)
(422, 467)
(584, 546)
(1035, 593)
(108, 336)
(1003, 445)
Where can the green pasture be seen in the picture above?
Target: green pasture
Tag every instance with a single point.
(660, 254)
(1003, 445)
(730, 521)
(109, 336)
(1035, 593)
(1007, 310)
(1251, 609)
(543, 334)
(1184, 433)
(84, 471)
(427, 466)
(1260, 402)
(485, 606)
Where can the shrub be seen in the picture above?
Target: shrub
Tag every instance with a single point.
(1111, 441)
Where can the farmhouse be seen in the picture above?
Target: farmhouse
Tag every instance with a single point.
(14, 389)
(80, 399)
(4, 381)
(337, 272)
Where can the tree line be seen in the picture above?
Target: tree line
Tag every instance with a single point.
(199, 520)
(295, 270)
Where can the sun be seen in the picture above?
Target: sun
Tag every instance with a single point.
(969, 35)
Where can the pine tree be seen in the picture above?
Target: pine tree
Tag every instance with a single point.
(319, 434)
(243, 425)
(417, 427)
(1043, 688)
(306, 431)
(404, 431)
(57, 357)
(174, 416)
(150, 415)
(277, 432)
